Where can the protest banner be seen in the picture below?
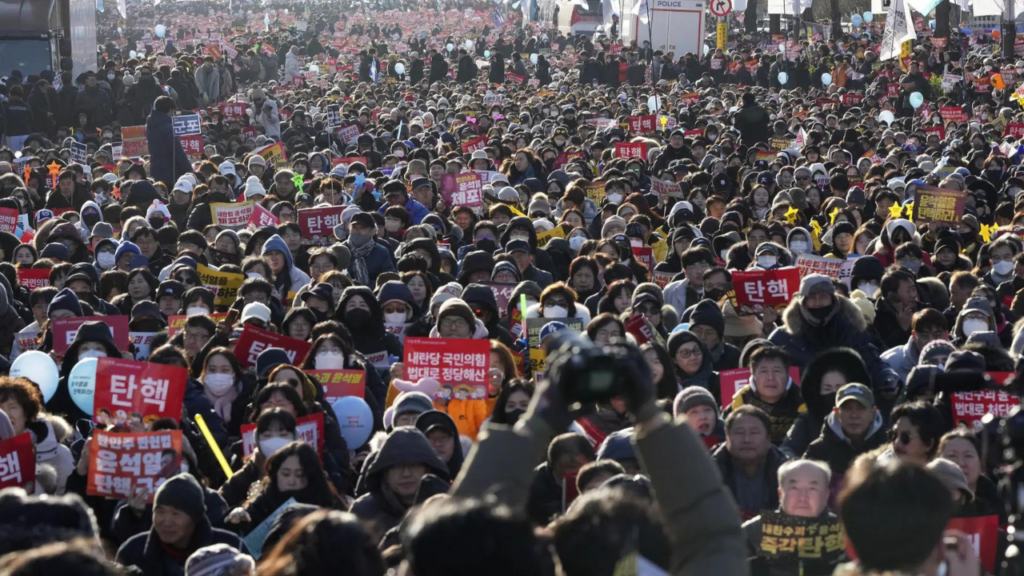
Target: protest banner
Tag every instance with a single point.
(731, 381)
(121, 463)
(983, 532)
(176, 322)
(224, 285)
(544, 237)
(937, 131)
(65, 329)
(348, 134)
(642, 330)
(645, 255)
(261, 217)
(254, 340)
(785, 537)
(938, 206)
(595, 191)
(17, 461)
(134, 143)
(232, 215)
(274, 155)
(1015, 129)
(346, 162)
(186, 125)
(461, 366)
(478, 143)
(631, 150)
(193, 146)
(534, 325)
(952, 114)
(466, 189)
(317, 224)
(641, 124)
(79, 153)
(258, 535)
(142, 344)
(230, 110)
(131, 394)
(970, 407)
(689, 98)
(780, 144)
(502, 294)
(760, 288)
(514, 78)
(33, 278)
(309, 429)
(666, 188)
(810, 264)
(339, 383)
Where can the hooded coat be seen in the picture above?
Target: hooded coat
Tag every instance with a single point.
(146, 552)
(378, 505)
(833, 447)
(10, 322)
(370, 338)
(480, 296)
(290, 279)
(61, 402)
(49, 449)
(706, 377)
(845, 328)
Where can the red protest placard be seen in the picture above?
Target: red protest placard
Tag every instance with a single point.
(461, 366)
(1015, 129)
(33, 278)
(132, 394)
(262, 217)
(514, 78)
(475, 144)
(952, 114)
(631, 150)
(502, 294)
(64, 330)
(983, 532)
(193, 146)
(310, 430)
(338, 383)
(346, 160)
(731, 381)
(17, 461)
(465, 189)
(760, 288)
(318, 224)
(936, 130)
(810, 264)
(851, 99)
(645, 254)
(970, 407)
(120, 463)
(8, 219)
(348, 134)
(253, 341)
(232, 110)
(641, 329)
(640, 124)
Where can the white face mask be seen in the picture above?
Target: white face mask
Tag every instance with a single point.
(798, 246)
(525, 237)
(398, 153)
(576, 241)
(766, 261)
(395, 318)
(193, 310)
(392, 225)
(555, 312)
(219, 383)
(105, 260)
(1003, 267)
(270, 446)
(330, 361)
(92, 354)
(615, 198)
(869, 290)
(972, 325)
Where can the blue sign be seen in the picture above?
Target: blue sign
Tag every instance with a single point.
(187, 125)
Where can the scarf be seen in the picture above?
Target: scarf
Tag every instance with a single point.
(358, 263)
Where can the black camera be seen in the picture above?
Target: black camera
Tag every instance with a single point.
(587, 373)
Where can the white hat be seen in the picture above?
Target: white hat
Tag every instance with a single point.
(253, 187)
(499, 178)
(191, 178)
(227, 168)
(256, 310)
(479, 155)
(183, 185)
(158, 207)
(508, 193)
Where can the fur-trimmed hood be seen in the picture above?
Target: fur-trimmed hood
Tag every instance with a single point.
(795, 323)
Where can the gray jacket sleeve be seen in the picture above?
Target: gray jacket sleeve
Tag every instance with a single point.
(501, 464)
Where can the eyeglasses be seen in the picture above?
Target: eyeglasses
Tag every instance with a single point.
(556, 302)
(901, 437)
(686, 354)
(453, 323)
(652, 309)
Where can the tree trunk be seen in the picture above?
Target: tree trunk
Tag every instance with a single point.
(750, 17)
(837, 19)
(942, 11)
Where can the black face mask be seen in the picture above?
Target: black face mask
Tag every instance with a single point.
(320, 316)
(148, 326)
(156, 222)
(357, 317)
(90, 220)
(513, 416)
(488, 245)
(220, 257)
(820, 313)
(714, 295)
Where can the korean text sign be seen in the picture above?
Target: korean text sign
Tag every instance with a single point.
(467, 190)
(65, 329)
(224, 285)
(970, 407)
(253, 341)
(231, 214)
(937, 205)
(318, 224)
(310, 429)
(788, 537)
(120, 463)
(137, 393)
(761, 288)
(339, 383)
(17, 461)
(461, 366)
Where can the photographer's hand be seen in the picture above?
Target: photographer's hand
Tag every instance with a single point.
(640, 394)
(549, 409)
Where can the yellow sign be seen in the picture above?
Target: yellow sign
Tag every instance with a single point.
(723, 35)
(225, 284)
(544, 237)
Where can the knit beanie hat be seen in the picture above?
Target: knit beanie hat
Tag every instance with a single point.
(218, 560)
(445, 293)
(412, 403)
(705, 313)
(182, 492)
(66, 299)
(816, 284)
(457, 307)
(612, 221)
(691, 397)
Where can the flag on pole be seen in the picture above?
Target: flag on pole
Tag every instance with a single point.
(373, 71)
(640, 10)
(897, 30)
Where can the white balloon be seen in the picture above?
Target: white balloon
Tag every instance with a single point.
(399, 68)
(132, 54)
(266, 20)
(469, 44)
(783, 78)
(120, 30)
(82, 384)
(655, 103)
(450, 47)
(355, 419)
(533, 59)
(887, 117)
(160, 30)
(487, 53)
(314, 68)
(40, 369)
